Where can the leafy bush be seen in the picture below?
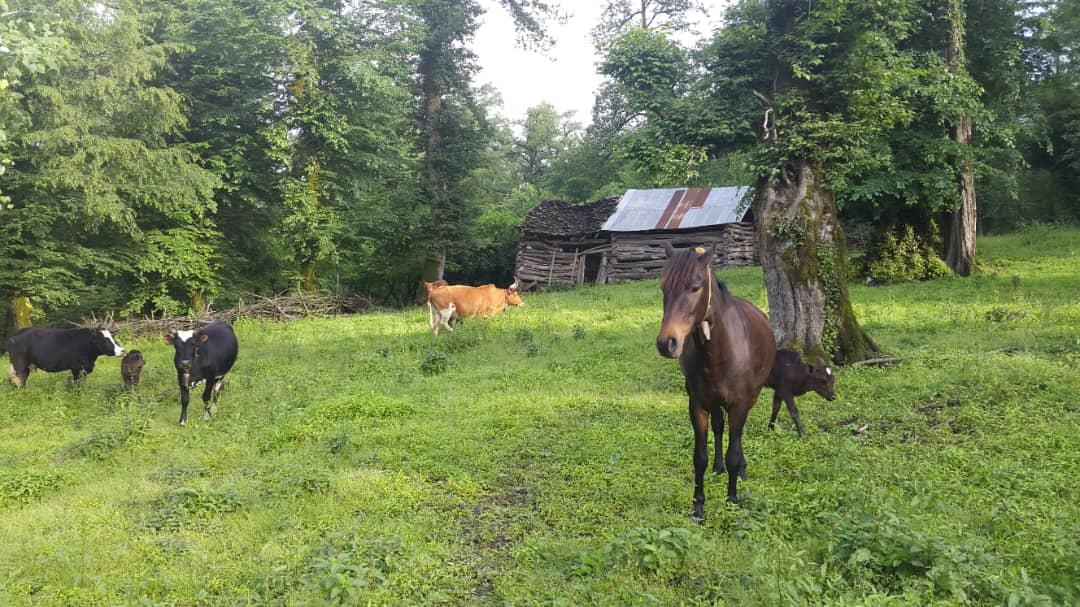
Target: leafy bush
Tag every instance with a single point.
(459, 341)
(904, 258)
(896, 557)
(650, 551)
(101, 443)
(25, 486)
(362, 405)
(1003, 314)
(532, 348)
(434, 362)
(344, 566)
(176, 508)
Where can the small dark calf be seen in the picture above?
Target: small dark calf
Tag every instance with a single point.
(131, 368)
(205, 354)
(791, 377)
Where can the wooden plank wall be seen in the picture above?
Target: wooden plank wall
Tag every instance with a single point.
(628, 256)
(636, 256)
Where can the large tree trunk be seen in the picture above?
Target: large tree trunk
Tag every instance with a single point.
(198, 301)
(20, 311)
(434, 266)
(307, 276)
(960, 242)
(438, 189)
(804, 259)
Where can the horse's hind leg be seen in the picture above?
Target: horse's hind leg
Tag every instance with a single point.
(736, 462)
(718, 436)
(699, 417)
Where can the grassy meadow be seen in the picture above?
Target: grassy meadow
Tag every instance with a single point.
(544, 457)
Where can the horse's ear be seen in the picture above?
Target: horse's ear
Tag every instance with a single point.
(820, 363)
(203, 338)
(710, 252)
(668, 249)
(169, 337)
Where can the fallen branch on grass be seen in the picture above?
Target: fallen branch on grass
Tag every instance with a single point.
(281, 307)
(877, 362)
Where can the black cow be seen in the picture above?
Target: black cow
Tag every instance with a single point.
(131, 367)
(54, 350)
(206, 354)
(791, 377)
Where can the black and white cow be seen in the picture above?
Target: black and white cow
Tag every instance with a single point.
(205, 354)
(54, 350)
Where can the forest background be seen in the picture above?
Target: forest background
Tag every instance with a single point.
(162, 156)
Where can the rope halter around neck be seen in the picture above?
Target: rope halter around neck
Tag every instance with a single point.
(705, 328)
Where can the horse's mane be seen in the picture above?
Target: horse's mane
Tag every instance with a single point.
(683, 267)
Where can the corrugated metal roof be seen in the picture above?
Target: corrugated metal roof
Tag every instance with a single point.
(676, 209)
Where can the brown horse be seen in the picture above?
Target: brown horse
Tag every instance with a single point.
(725, 348)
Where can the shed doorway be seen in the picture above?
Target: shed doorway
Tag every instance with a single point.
(593, 263)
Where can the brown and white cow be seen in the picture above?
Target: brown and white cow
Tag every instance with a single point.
(446, 301)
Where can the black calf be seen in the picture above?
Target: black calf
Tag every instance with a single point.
(203, 355)
(55, 350)
(791, 377)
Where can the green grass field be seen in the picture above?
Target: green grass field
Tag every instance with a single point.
(543, 457)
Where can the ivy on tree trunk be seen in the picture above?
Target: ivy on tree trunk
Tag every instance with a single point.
(960, 253)
(20, 311)
(803, 257)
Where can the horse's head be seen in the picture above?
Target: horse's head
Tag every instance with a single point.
(687, 283)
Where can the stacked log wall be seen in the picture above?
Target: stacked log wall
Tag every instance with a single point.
(556, 261)
(641, 255)
(627, 255)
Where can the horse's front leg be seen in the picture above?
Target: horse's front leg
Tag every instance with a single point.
(699, 418)
(718, 436)
(736, 463)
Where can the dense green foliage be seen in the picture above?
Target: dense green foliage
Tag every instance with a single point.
(403, 469)
(158, 156)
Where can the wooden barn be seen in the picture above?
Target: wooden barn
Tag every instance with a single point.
(623, 238)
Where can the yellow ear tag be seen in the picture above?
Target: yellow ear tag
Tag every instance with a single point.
(700, 250)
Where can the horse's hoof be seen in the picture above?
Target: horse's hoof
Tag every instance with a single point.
(719, 470)
(206, 417)
(697, 516)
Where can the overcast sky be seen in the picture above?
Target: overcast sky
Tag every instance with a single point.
(567, 76)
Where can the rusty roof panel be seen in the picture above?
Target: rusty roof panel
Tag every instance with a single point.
(676, 209)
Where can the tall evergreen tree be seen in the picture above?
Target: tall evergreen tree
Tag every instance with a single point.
(32, 45)
(108, 211)
(451, 122)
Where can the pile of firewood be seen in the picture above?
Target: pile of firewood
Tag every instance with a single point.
(281, 307)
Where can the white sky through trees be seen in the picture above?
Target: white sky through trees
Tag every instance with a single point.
(567, 76)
